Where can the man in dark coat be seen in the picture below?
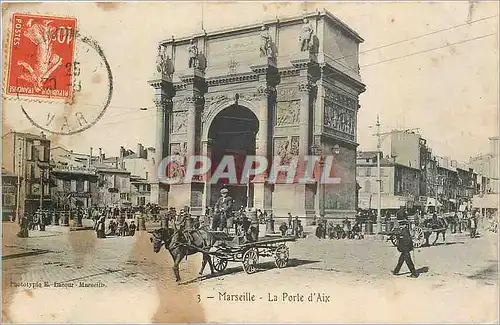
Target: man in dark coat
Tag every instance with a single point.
(405, 246)
(223, 209)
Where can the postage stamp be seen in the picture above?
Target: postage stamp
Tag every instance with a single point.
(41, 56)
(59, 79)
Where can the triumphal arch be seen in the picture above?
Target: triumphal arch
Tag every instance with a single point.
(278, 88)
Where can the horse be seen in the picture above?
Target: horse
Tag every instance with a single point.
(433, 224)
(179, 246)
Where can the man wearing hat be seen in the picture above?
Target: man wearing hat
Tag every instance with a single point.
(405, 246)
(223, 210)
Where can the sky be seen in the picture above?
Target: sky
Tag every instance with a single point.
(450, 94)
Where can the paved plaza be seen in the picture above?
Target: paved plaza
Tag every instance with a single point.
(122, 278)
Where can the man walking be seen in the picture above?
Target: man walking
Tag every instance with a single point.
(405, 246)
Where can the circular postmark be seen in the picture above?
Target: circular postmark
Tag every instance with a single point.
(92, 89)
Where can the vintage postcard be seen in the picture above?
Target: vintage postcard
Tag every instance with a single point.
(248, 162)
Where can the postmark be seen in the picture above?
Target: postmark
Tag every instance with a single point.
(76, 95)
(41, 49)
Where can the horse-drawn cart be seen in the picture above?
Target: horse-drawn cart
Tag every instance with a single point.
(426, 234)
(248, 254)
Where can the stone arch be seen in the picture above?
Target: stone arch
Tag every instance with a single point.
(214, 111)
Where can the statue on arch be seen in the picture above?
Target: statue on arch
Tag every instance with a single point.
(193, 54)
(306, 36)
(164, 65)
(265, 42)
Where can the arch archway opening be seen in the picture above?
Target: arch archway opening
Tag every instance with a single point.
(233, 133)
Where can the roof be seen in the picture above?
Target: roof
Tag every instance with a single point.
(256, 26)
(110, 169)
(27, 135)
(366, 154)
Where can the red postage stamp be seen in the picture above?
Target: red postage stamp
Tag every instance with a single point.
(41, 56)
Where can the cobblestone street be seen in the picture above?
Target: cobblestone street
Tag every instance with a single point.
(125, 279)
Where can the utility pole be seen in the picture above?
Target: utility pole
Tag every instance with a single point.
(379, 180)
(20, 157)
(41, 188)
(379, 198)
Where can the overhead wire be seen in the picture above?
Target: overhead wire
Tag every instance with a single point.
(133, 109)
(364, 66)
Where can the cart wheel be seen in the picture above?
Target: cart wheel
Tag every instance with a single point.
(220, 264)
(281, 256)
(250, 260)
(418, 237)
(433, 237)
(394, 240)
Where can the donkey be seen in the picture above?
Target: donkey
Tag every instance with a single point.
(178, 245)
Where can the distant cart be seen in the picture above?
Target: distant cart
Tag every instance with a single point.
(420, 235)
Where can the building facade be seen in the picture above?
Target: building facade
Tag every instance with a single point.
(272, 89)
(28, 155)
(9, 195)
(486, 165)
(141, 166)
(399, 184)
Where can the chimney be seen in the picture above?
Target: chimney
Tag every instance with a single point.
(116, 162)
(90, 158)
(139, 150)
(100, 156)
(121, 162)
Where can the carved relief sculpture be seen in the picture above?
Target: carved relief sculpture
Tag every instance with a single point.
(306, 36)
(294, 146)
(193, 54)
(286, 148)
(177, 169)
(179, 122)
(212, 103)
(287, 113)
(281, 149)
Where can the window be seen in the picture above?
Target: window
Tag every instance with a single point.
(125, 196)
(36, 153)
(73, 185)
(368, 171)
(86, 186)
(67, 186)
(381, 187)
(368, 187)
(6, 199)
(79, 186)
(29, 152)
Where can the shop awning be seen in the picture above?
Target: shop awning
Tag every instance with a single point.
(487, 201)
